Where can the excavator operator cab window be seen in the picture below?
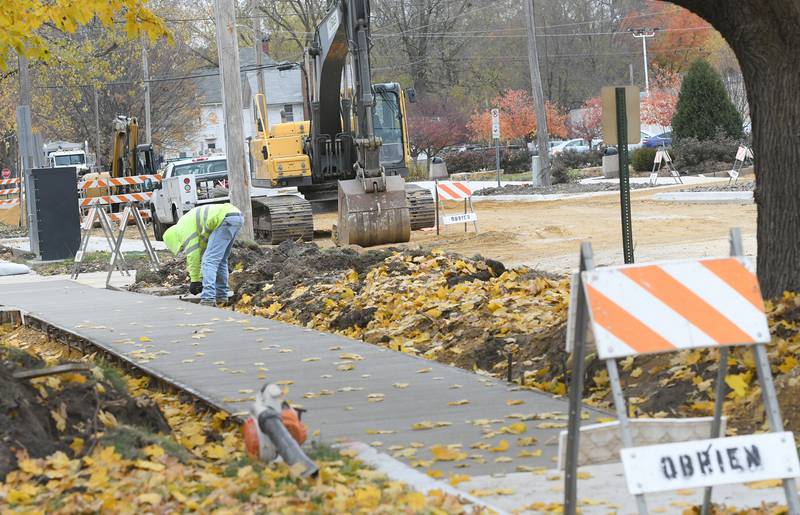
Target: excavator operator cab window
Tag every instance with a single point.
(388, 126)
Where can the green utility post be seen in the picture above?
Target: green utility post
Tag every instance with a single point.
(624, 177)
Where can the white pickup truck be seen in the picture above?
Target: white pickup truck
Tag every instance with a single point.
(191, 182)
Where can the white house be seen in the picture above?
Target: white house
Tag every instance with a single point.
(283, 89)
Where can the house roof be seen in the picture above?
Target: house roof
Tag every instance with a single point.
(282, 87)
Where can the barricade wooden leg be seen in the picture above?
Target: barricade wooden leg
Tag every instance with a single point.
(108, 229)
(736, 249)
(622, 416)
(117, 250)
(151, 253)
(716, 425)
(576, 387)
(774, 417)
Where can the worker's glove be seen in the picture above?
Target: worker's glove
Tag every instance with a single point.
(195, 287)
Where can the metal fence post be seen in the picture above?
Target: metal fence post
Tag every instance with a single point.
(624, 177)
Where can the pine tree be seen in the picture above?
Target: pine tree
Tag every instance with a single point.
(704, 106)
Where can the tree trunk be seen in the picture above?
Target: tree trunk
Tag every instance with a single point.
(764, 36)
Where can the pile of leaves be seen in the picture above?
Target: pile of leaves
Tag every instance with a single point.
(88, 451)
(469, 312)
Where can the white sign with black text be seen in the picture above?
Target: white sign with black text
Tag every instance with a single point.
(496, 123)
(459, 219)
(718, 461)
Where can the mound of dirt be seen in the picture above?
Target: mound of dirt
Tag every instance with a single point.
(564, 188)
(55, 412)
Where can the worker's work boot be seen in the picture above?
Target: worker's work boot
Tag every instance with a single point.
(222, 302)
(208, 302)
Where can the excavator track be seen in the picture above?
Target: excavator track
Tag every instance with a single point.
(421, 207)
(281, 218)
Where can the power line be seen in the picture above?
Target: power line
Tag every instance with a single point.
(244, 69)
(566, 34)
(510, 58)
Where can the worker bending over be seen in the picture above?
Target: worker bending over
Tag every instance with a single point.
(205, 236)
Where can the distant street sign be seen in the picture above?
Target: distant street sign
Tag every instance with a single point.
(6, 173)
(496, 123)
(609, 114)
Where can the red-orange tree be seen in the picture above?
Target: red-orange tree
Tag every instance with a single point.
(659, 106)
(682, 38)
(517, 118)
(588, 125)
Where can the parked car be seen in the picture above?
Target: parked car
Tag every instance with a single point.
(661, 140)
(578, 145)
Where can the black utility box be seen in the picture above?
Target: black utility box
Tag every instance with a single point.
(55, 222)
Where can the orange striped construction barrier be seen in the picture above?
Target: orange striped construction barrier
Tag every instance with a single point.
(118, 181)
(116, 199)
(638, 309)
(9, 203)
(5, 182)
(11, 191)
(452, 190)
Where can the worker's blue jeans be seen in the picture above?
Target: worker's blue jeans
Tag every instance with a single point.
(215, 258)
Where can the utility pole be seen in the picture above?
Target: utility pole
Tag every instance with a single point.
(24, 128)
(643, 34)
(257, 44)
(538, 96)
(25, 145)
(98, 163)
(228, 51)
(146, 74)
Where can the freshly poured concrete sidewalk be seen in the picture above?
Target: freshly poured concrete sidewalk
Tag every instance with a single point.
(352, 390)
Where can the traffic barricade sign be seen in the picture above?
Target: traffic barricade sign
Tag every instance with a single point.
(665, 307)
(454, 190)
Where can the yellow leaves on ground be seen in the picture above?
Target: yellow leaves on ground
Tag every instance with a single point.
(150, 498)
(501, 446)
(461, 402)
(515, 428)
(429, 425)
(739, 383)
(215, 452)
(443, 453)
(60, 417)
(514, 402)
(457, 479)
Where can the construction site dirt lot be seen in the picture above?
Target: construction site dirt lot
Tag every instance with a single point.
(546, 234)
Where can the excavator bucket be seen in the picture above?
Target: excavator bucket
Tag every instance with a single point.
(373, 218)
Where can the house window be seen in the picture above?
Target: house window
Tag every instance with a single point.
(287, 114)
(212, 146)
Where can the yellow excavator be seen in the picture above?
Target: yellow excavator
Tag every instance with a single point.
(354, 149)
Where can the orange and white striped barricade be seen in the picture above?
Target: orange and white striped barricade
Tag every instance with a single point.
(669, 306)
(663, 161)
(143, 182)
(10, 199)
(117, 260)
(131, 212)
(743, 154)
(9, 188)
(454, 190)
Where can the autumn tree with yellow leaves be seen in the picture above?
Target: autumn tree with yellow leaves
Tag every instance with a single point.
(22, 22)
